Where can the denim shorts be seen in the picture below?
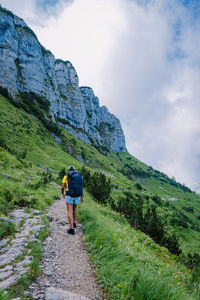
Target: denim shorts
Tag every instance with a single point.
(72, 200)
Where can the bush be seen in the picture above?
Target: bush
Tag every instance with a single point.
(46, 177)
(188, 209)
(157, 200)
(132, 172)
(2, 143)
(24, 201)
(6, 229)
(4, 92)
(22, 155)
(84, 154)
(138, 186)
(171, 242)
(192, 261)
(132, 207)
(86, 176)
(8, 196)
(153, 225)
(179, 219)
(97, 185)
(51, 126)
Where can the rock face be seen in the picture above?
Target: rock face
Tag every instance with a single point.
(26, 66)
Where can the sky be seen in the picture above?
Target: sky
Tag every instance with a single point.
(142, 59)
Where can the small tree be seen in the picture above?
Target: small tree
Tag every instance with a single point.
(153, 225)
(99, 187)
(86, 176)
(171, 242)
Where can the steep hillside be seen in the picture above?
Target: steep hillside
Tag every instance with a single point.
(24, 136)
(30, 163)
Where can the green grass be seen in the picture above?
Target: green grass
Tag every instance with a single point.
(6, 229)
(34, 249)
(129, 264)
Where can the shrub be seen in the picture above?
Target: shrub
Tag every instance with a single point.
(4, 92)
(132, 206)
(86, 176)
(63, 121)
(99, 187)
(24, 200)
(179, 220)
(5, 206)
(157, 200)
(46, 177)
(22, 155)
(2, 143)
(138, 186)
(192, 261)
(153, 225)
(132, 172)
(188, 209)
(171, 242)
(8, 195)
(6, 229)
(84, 154)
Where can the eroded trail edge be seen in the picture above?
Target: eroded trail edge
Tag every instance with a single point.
(65, 264)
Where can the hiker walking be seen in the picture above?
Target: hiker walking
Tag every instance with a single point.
(73, 183)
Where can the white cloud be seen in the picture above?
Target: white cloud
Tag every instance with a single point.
(22, 8)
(85, 33)
(143, 62)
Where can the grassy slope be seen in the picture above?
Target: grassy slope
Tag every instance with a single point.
(22, 131)
(130, 265)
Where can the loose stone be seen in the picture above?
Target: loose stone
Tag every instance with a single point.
(59, 294)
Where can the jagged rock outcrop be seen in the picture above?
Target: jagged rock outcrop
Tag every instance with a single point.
(26, 66)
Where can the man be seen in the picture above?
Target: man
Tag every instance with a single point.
(72, 182)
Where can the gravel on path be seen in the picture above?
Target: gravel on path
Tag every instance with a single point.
(65, 263)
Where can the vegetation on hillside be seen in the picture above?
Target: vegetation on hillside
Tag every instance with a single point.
(32, 164)
(129, 263)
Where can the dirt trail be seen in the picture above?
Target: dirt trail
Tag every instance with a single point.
(65, 262)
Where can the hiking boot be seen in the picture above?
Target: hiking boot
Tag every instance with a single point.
(74, 225)
(71, 231)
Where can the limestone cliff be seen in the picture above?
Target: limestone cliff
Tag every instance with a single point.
(26, 66)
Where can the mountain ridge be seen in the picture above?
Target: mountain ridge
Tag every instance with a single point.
(26, 66)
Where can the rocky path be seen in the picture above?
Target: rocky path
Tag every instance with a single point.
(66, 270)
(14, 261)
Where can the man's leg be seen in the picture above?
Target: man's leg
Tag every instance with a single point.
(74, 213)
(70, 214)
